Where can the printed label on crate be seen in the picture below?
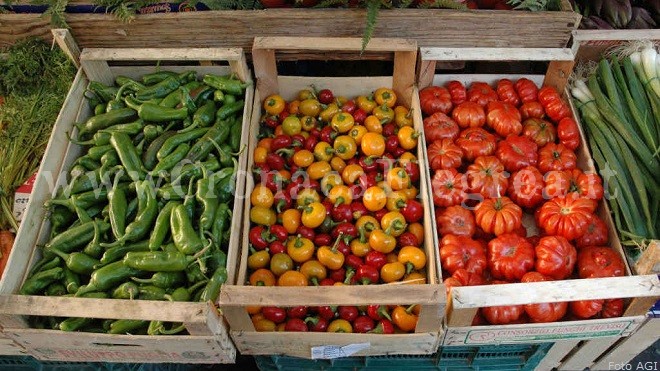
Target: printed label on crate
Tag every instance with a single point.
(335, 351)
(22, 196)
(529, 333)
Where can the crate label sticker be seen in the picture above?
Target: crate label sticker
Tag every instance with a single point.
(336, 351)
(22, 196)
(547, 333)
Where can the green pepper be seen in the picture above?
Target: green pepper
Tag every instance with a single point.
(100, 138)
(221, 223)
(212, 289)
(148, 292)
(84, 182)
(108, 160)
(128, 155)
(206, 197)
(164, 87)
(171, 160)
(152, 132)
(74, 324)
(83, 200)
(173, 142)
(114, 105)
(218, 96)
(161, 226)
(117, 209)
(153, 112)
(201, 93)
(229, 109)
(103, 92)
(87, 162)
(149, 156)
(45, 263)
(105, 120)
(71, 281)
(235, 135)
(93, 295)
(78, 236)
(40, 280)
(173, 330)
(99, 108)
(107, 277)
(229, 99)
(147, 213)
(187, 102)
(194, 273)
(225, 83)
(127, 290)
(132, 209)
(128, 84)
(184, 236)
(158, 261)
(156, 77)
(203, 116)
(163, 279)
(226, 187)
(155, 327)
(113, 254)
(170, 192)
(96, 152)
(196, 170)
(55, 289)
(126, 326)
(224, 155)
(215, 258)
(203, 147)
(131, 128)
(179, 294)
(77, 262)
(189, 203)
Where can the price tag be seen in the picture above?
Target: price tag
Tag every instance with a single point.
(22, 196)
(335, 351)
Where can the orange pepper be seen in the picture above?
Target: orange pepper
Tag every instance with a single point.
(404, 318)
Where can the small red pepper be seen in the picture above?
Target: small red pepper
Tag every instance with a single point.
(348, 312)
(367, 274)
(378, 312)
(295, 324)
(363, 324)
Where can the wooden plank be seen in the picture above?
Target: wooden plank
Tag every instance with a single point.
(558, 73)
(334, 44)
(496, 54)
(404, 75)
(557, 352)
(587, 353)
(426, 71)
(647, 334)
(384, 294)
(300, 344)
(156, 54)
(97, 70)
(265, 71)
(68, 45)
(556, 291)
(580, 36)
(235, 28)
(649, 261)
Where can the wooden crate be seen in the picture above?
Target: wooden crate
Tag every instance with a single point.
(208, 341)
(9, 347)
(233, 28)
(589, 45)
(234, 299)
(465, 301)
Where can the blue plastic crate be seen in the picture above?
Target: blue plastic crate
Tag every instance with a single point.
(523, 357)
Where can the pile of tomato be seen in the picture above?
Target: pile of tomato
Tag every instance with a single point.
(335, 202)
(497, 153)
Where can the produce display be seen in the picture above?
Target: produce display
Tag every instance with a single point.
(33, 84)
(147, 210)
(504, 153)
(336, 202)
(618, 14)
(619, 104)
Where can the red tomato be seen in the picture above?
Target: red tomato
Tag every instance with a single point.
(448, 187)
(527, 89)
(526, 187)
(503, 118)
(444, 154)
(481, 93)
(555, 257)
(498, 215)
(566, 216)
(507, 92)
(502, 315)
(568, 133)
(585, 185)
(469, 115)
(553, 104)
(586, 308)
(540, 131)
(434, 99)
(487, 177)
(516, 152)
(531, 109)
(556, 157)
(467, 278)
(612, 308)
(440, 126)
(543, 312)
(557, 183)
(510, 257)
(458, 252)
(456, 220)
(476, 142)
(596, 234)
(457, 91)
(600, 261)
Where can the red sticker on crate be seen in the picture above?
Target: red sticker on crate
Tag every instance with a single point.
(22, 196)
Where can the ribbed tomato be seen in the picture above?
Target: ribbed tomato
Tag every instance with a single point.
(503, 118)
(502, 315)
(600, 261)
(556, 157)
(457, 91)
(498, 215)
(557, 183)
(481, 93)
(440, 126)
(566, 216)
(587, 185)
(531, 109)
(596, 234)
(612, 308)
(458, 252)
(553, 104)
(555, 257)
(526, 89)
(540, 131)
(449, 188)
(434, 99)
(469, 115)
(510, 257)
(516, 152)
(476, 142)
(568, 133)
(526, 187)
(487, 177)
(507, 92)
(586, 308)
(456, 220)
(543, 312)
(444, 154)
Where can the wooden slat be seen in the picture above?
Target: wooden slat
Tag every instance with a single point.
(566, 290)
(332, 295)
(265, 71)
(334, 44)
(558, 73)
(237, 28)
(554, 356)
(496, 54)
(68, 45)
(649, 261)
(623, 35)
(155, 54)
(587, 353)
(630, 347)
(404, 74)
(97, 70)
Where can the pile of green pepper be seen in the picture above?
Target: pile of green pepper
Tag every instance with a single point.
(146, 212)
